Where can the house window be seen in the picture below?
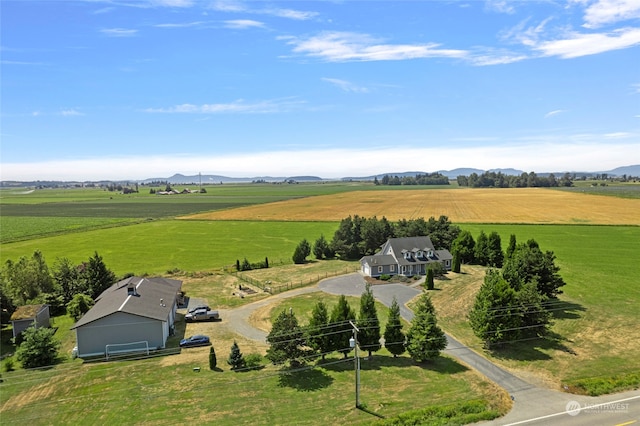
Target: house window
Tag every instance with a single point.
(379, 269)
(392, 268)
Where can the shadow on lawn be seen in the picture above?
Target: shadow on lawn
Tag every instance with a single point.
(441, 364)
(305, 380)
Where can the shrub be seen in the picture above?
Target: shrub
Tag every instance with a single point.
(8, 365)
(253, 361)
(385, 277)
(39, 348)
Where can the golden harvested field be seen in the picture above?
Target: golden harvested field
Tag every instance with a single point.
(512, 205)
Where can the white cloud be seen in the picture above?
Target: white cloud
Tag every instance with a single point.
(537, 153)
(172, 3)
(239, 106)
(237, 6)
(346, 85)
(554, 112)
(70, 112)
(604, 12)
(297, 15)
(240, 24)
(119, 32)
(348, 46)
(501, 6)
(580, 44)
(181, 25)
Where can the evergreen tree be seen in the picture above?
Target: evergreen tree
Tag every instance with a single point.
(494, 250)
(236, 359)
(266, 262)
(98, 276)
(429, 280)
(238, 265)
(39, 348)
(481, 251)
(285, 339)
(368, 323)
(301, 252)
(535, 318)
(394, 338)
(68, 280)
(456, 263)
(512, 246)
(425, 339)
(464, 245)
(528, 263)
(79, 305)
(317, 331)
(213, 361)
(320, 247)
(495, 316)
(341, 331)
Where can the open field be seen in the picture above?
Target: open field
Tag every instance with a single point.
(521, 205)
(159, 246)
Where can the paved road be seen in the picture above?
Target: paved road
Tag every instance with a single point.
(532, 405)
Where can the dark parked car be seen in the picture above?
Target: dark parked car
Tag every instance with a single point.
(192, 310)
(197, 340)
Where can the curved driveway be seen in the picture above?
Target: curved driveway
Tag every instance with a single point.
(532, 405)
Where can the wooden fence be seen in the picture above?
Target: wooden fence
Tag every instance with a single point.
(274, 288)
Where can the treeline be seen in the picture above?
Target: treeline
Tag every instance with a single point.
(360, 236)
(330, 331)
(419, 179)
(66, 288)
(525, 180)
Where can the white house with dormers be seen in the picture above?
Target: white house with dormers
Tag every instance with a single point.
(405, 256)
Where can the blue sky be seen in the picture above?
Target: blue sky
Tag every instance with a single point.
(137, 89)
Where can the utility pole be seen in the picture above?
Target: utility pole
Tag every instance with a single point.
(353, 343)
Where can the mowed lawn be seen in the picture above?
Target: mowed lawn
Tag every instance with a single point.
(508, 205)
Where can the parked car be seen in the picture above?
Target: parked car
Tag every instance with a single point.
(202, 315)
(192, 310)
(197, 340)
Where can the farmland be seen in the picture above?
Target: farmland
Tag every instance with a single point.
(595, 239)
(521, 205)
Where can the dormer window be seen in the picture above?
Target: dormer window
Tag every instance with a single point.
(131, 290)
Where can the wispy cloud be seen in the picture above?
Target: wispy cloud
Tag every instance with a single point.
(5, 62)
(539, 154)
(604, 12)
(554, 112)
(172, 3)
(576, 44)
(72, 112)
(348, 46)
(241, 24)
(238, 6)
(501, 6)
(347, 86)
(181, 24)
(240, 106)
(119, 32)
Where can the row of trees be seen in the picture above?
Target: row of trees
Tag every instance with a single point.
(515, 302)
(329, 332)
(485, 251)
(525, 180)
(419, 179)
(30, 281)
(360, 236)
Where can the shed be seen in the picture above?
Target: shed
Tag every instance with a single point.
(30, 315)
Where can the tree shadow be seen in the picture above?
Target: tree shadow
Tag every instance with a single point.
(533, 349)
(305, 380)
(443, 365)
(567, 310)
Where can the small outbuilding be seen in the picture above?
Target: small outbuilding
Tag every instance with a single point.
(30, 315)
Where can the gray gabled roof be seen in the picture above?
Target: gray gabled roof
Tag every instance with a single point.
(378, 260)
(154, 298)
(407, 244)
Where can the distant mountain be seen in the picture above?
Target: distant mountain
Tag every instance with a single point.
(625, 170)
(179, 179)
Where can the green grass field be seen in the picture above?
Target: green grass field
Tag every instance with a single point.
(596, 335)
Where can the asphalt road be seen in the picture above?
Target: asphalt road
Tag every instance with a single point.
(532, 405)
